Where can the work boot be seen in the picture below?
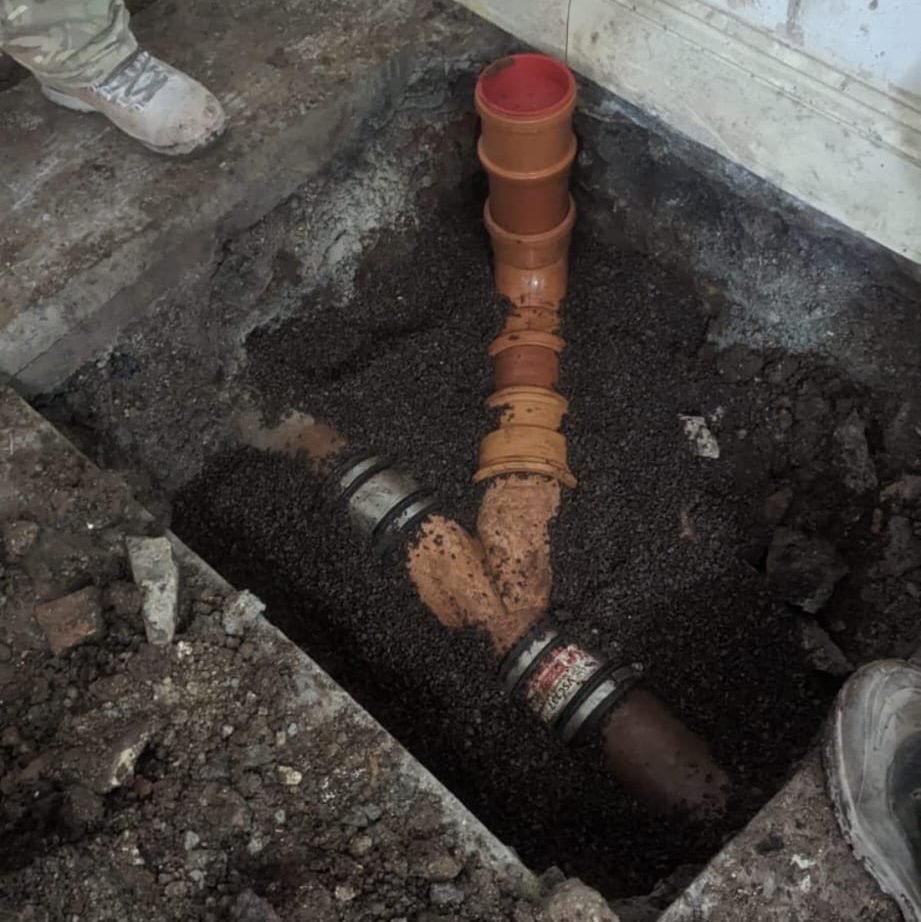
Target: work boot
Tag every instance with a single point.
(163, 108)
(873, 763)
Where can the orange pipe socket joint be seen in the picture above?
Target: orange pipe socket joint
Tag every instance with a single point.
(527, 148)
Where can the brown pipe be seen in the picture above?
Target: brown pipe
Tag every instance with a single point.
(660, 760)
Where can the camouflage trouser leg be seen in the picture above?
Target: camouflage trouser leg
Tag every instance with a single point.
(66, 43)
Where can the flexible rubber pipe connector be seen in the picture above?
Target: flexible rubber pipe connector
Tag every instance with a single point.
(568, 688)
(578, 695)
(383, 501)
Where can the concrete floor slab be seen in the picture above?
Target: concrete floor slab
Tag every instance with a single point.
(790, 862)
(96, 227)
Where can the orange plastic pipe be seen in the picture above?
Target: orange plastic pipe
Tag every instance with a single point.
(527, 145)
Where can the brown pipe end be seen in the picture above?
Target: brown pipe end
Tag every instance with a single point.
(660, 761)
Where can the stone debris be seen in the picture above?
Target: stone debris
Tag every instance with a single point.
(853, 455)
(155, 571)
(446, 894)
(802, 569)
(572, 901)
(904, 491)
(251, 908)
(240, 612)
(903, 549)
(289, 776)
(824, 654)
(106, 760)
(19, 536)
(703, 441)
(70, 620)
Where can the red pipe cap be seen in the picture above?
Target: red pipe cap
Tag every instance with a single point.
(526, 86)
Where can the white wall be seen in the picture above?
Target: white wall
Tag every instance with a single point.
(820, 97)
(876, 40)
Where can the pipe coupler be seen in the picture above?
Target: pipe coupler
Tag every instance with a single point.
(383, 501)
(568, 688)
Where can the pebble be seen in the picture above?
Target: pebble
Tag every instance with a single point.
(443, 868)
(190, 840)
(280, 817)
(703, 441)
(289, 776)
(360, 846)
(255, 845)
(446, 895)
(345, 893)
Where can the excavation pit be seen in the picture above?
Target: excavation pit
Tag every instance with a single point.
(742, 527)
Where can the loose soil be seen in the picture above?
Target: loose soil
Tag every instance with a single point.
(189, 781)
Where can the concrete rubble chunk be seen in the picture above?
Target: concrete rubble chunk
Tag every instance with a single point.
(824, 654)
(703, 441)
(803, 569)
(107, 750)
(852, 455)
(242, 610)
(70, 620)
(903, 549)
(573, 901)
(155, 571)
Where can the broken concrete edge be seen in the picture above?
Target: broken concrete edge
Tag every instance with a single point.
(318, 690)
(42, 350)
(790, 862)
(43, 345)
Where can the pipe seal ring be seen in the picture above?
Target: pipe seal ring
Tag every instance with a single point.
(525, 655)
(595, 699)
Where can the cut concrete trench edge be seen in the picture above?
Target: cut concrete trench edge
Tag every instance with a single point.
(500, 580)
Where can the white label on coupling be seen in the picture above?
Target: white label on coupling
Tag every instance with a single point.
(557, 679)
